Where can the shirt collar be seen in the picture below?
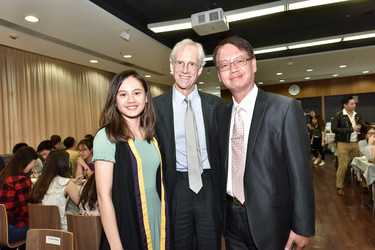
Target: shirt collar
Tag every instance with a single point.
(248, 102)
(180, 98)
(346, 113)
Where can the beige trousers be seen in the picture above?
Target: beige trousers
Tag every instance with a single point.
(344, 151)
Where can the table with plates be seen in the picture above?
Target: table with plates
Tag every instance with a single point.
(362, 167)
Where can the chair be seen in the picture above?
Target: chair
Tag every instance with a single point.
(49, 239)
(44, 216)
(4, 241)
(86, 230)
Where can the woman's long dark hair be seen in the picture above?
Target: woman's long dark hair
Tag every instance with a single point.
(18, 163)
(89, 195)
(116, 126)
(57, 163)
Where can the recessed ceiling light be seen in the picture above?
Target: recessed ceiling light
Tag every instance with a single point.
(93, 61)
(260, 83)
(208, 58)
(200, 89)
(307, 77)
(218, 87)
(309, 70)
(281, 80)
(127, 56)
(343, 66)
(365, 72)
(148, 76)
(279, 74)
(201, 82)
(335, 75)
(31, 19)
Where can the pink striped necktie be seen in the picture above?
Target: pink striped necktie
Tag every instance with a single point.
(238, 156)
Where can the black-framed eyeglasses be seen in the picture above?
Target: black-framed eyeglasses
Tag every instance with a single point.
(238, 62)
(371, 133)
(190, 65)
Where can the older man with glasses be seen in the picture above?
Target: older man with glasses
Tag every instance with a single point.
(186, 130)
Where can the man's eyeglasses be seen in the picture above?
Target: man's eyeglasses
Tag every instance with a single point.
(238, 62)
(371, 133)
(190, 65)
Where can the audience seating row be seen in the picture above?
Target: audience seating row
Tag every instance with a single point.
(45, 230)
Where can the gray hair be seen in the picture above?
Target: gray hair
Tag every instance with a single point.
(187, 42)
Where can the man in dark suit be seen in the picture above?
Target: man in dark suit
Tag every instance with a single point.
(194, 214)
(268, 197)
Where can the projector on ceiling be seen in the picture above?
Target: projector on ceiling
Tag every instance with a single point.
(209, 22)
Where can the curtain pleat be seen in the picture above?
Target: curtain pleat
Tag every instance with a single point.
(42, 96)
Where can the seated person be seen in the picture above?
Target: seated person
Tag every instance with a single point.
(71, 148)
(88, 200)
(44, 148)
(38, 163)
(15, 187)
(56, 140)
(369, 131)
(371, 142)
(89, 137)
(2, 163)
(85, 166)
(54, 186)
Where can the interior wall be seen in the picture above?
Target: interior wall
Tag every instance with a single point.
(324, 96)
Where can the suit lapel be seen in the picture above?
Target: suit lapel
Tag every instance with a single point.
(167, 114)
(208, 111)
(258, 115)
(226, 125)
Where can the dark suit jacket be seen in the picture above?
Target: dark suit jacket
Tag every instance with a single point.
(278, 187)
(165, 134)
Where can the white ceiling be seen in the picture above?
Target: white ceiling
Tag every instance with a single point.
(78, 31)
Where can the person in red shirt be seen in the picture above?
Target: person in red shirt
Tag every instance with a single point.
(15, 187)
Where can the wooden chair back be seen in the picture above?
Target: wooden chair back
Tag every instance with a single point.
(44, 216)
(4, 240)
(86, 231)
(49, 239)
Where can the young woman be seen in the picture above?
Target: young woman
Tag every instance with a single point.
(85, 166)
(88, 199)
(15, 187)
(317, 140)
(127, 158)
(54, 186)
(369, 132)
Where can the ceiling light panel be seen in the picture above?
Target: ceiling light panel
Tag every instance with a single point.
(311, 3)
(255, 11)
(315, 43)
(179, 24)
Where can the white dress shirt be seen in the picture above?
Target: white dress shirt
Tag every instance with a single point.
(247, 104)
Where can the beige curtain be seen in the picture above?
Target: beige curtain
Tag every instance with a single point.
(41, 96)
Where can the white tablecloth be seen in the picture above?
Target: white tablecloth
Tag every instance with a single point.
(330, 146)
(361, 163)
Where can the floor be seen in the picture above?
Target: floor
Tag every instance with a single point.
(342, 222)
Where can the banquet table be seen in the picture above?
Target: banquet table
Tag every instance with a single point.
(362, 165)
(327, 140)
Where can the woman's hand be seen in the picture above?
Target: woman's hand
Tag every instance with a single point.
(78, 180)
(81, 162)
